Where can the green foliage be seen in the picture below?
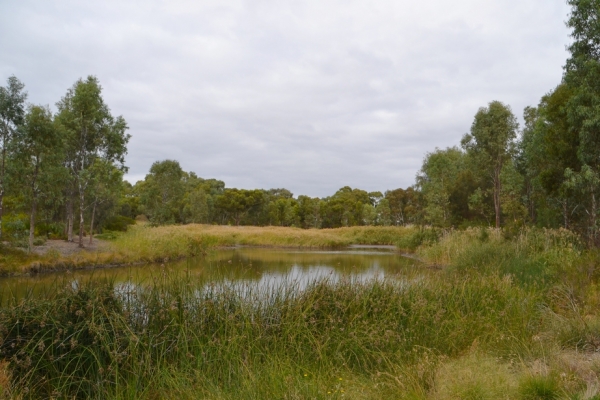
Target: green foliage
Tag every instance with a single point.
(12, 111)
(539, 387)
(344, 208)
(491, 144)
(405, 205)
(92, 137)
(445, 181)
(196, 208)
(421, 236)
(118, 223)
(16, 227)
(237, 203)
(162, 191)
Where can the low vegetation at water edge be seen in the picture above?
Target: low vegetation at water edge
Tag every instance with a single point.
(506, 317)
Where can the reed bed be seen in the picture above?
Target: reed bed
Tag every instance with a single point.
(446, 336)
(533, 256)
(237, 341)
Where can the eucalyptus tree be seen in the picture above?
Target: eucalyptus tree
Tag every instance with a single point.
(308, 212)
(38, 160)
(104, 189)
(384, 213)
(369, 215)
(405, 205)
(548, 147)
(12, 112)
(344, 208)
(281, 207)
(281, 211)
(437, 180)
(582, 74)
(196, 206)
(91, 133)
(491, 143)
(162, 192)
(237, 203)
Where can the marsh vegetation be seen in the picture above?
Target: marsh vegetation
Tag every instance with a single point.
(498, 317)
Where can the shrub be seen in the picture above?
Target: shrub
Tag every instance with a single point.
(118, 223)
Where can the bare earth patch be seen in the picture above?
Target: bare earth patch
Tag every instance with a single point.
(65, 248)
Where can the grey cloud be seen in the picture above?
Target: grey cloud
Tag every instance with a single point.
(307, 95)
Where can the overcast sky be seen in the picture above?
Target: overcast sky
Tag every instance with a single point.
(308, 95)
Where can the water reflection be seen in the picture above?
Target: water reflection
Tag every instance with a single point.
(264, 268)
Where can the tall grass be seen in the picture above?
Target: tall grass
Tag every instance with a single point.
(534, 256)
(237, 341)
(504, 317)
(155, 243)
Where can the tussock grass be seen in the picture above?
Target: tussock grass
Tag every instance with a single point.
(534, 256)
(236, 341)
(476, 376)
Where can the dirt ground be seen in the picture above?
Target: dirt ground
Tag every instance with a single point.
(68, 248)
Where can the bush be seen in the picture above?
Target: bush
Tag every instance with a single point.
(52, 230)
(118, 223)
(107, 235)
(419, 237)
(15, 227)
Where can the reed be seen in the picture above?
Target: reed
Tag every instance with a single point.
(235, 340)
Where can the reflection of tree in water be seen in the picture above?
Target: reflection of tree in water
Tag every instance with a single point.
(261, 266)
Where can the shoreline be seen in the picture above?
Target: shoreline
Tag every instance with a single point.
(34, 268)
(143, 244)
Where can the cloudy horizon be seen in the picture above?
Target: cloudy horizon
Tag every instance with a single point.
(306, 95)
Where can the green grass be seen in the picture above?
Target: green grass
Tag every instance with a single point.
(240, 342)
(505, 317)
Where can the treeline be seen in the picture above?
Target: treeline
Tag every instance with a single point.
(547, 173)
(59, 172)
(170, 195)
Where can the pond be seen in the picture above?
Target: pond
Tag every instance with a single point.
(255, 266)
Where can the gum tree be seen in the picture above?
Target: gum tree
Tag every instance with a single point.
(491, 143)
(12, 112)
(38, 157)
(582, 74)
(162, 192)
(91, 133)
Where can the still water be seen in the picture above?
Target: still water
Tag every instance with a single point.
(254, 266)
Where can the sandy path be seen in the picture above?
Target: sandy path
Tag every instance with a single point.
(68, 248)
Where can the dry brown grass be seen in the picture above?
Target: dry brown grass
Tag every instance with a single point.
(4, 379)
(144, 243)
